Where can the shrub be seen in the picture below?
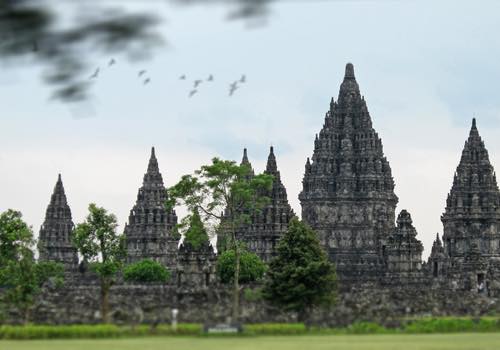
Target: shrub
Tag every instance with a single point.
(146, 270)
(252, 268)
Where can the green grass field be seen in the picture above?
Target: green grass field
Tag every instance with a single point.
(483, 341)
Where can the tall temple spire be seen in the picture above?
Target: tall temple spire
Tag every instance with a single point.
(272, 167)
(349, 86)
(349, 72)
(153, 163)
(245, 161)
(149, 232)
(474, 197)
(55, 239)
(348, 190)
(474, 187)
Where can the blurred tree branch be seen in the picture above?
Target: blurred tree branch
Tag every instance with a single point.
(33, 31)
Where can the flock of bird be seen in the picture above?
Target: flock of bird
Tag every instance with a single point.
(196, 83)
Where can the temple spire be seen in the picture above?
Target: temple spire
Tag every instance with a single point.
(272, 167)
(349, 71)
(55, 238)
(349, 88)
(150, 229)
(245, 161)
(153, 163)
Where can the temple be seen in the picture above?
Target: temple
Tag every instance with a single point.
(348, 190)
(149, 232)
(55, 238)
(267, 226)
(471, 221)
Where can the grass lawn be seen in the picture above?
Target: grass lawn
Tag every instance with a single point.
(482, 341)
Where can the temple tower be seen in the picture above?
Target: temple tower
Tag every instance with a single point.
(403, 252)
(471, 221)
(348, 190)
(196, 258)
(55, 239)
(149, 232)
(264, 229)
(267, 226)
(436, 263)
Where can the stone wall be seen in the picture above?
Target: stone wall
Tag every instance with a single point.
(153, 303)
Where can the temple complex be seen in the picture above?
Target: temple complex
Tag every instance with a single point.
(348, 198)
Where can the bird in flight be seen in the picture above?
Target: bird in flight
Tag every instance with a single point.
(232, 88)
(96, 73)
(111, 62)
(141, 73)
(147, 81)
(243, 79)
(192, 93)
(197, 82)
(210, 78)
(182, 77)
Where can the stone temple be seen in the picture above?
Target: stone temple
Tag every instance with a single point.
(348, 190)
(55, 238)
(348, 198)
(149, 231)
(262, 235)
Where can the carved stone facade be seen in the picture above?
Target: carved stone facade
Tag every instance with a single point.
(348, 190)
(55, 239)
(196, 267)
(149, 232)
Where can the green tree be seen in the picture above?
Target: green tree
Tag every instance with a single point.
(252, 268)
(14, 235)
(196, 234)
(102, 248)
(301, 276)
(21, 276)
(146, 270)
(223, 192)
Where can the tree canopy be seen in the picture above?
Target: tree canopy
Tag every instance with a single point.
(223, 193)
(196, 235)
(21, 275)
(301, 276)
(98, 242)
(252, 268)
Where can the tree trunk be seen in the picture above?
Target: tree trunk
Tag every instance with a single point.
(236, 287)
(105, 300)
(303, 317)
(26, 316)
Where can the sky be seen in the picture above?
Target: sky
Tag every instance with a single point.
(425, 69)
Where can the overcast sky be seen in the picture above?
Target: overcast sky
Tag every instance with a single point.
(425, 68)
